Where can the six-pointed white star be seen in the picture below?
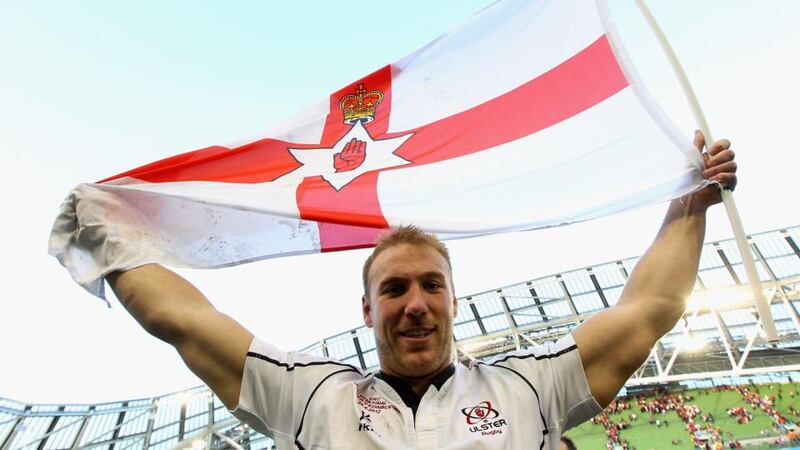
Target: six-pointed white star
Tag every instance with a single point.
(319, 161)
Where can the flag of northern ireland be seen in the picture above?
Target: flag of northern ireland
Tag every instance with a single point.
(528, 115)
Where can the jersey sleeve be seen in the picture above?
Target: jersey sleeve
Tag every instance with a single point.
(277, 386)
(555, 372)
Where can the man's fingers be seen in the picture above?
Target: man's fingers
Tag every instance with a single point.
(727, 180)
(720, 158)
(699, 140)
(720, 145)
(719, 162)
(725, 167)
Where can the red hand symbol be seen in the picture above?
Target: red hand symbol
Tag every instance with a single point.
(351, 156)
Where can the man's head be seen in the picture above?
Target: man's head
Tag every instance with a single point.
(566, 444)
(409, 301)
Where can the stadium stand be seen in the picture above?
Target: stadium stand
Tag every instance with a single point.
(713, 361)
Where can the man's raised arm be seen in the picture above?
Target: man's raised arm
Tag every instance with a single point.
(615, 342)
(212, 345)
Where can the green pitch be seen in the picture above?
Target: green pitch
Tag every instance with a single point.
(643, 435)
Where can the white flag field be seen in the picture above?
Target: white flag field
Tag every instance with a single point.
(528, 115)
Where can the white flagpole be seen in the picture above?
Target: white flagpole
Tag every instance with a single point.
(727, 196)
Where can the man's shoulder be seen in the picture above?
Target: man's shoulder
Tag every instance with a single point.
(539, 352)
(269, 356)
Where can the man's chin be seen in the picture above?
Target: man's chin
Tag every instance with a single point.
(421, 367)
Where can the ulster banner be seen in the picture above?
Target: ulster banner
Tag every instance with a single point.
(529, 115)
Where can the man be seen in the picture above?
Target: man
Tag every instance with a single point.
(419, 398)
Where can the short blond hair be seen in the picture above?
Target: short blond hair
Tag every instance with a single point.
(409, 234)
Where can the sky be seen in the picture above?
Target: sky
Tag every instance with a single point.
(89, 89)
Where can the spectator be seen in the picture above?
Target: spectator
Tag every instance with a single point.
(566, 444)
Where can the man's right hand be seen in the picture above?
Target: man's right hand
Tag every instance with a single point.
(212, 345)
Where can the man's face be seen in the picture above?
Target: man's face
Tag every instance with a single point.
(411, 306)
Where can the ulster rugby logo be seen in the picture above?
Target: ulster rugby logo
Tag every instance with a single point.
(357, 152)
(484, 419)
(482, 412)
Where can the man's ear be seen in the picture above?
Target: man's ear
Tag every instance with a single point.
(366, 309)
(455, 299)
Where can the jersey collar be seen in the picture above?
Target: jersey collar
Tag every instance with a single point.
(403, 387)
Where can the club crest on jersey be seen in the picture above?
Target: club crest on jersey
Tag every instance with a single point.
(357, 152)
(484, 419)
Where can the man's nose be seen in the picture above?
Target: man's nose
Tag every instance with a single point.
(416, 304)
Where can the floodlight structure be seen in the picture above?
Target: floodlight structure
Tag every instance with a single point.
(718, 340)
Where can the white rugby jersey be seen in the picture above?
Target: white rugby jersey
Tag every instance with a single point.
(524, 399)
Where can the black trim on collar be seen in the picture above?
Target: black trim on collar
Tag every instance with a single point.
(443, 376)
(403, 387)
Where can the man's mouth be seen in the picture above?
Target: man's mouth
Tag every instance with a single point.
(416, 332)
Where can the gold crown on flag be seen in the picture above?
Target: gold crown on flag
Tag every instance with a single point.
(360, 107)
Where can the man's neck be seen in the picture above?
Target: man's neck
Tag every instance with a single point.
(419, 385)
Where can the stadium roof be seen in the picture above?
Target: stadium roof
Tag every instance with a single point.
(719, 336)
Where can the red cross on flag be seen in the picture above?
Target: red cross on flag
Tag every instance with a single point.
(529, 115)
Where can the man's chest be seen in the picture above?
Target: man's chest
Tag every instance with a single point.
(493, 415)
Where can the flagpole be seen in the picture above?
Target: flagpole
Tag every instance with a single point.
(727, 196)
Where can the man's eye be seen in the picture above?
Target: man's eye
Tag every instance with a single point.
(433, 285)
(394, 289)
